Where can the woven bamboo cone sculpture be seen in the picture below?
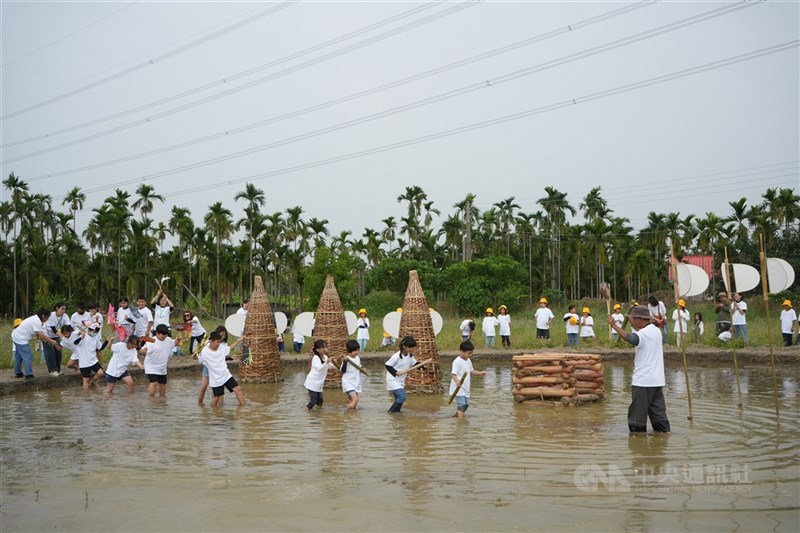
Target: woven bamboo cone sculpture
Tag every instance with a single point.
(331, 326)
(416, 322)
(259, 328)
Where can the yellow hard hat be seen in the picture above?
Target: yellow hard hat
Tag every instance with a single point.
(617, 306)
(362, 310)
(573, 320)
(543, 300)
(399, 309)
(489, 310)
(585, 310)
(787, 302)
(682, 302)
(17, 322)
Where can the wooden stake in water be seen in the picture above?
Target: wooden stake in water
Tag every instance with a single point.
(765, 290)
(733, 346)
(674, 263)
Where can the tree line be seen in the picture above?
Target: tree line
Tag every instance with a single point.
(466, 257)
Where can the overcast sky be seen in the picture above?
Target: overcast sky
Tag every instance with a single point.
(72, 71)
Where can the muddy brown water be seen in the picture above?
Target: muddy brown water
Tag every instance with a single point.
(87, 462)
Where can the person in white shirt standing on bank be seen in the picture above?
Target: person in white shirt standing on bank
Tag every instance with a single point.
(362, 331)
(489, 323)
(647, 396)
(544, 317)
(738, 319)
(788, 322)
(504, 319)
(681, 318)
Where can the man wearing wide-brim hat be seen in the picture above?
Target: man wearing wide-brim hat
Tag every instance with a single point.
(788, 322)
(647, 397)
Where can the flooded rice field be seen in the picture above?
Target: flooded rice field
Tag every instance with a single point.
(88, 462)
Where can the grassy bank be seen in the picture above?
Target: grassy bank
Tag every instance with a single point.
(523, 333)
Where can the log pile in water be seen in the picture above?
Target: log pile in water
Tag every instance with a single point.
(568, 378)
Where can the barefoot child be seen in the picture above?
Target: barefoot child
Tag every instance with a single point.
(157, 354)
(86, 349)
(462, 365)
(315, 381)
(204, 381)
(220, 378)
(124, 354)
(396, 369)
(351, 377)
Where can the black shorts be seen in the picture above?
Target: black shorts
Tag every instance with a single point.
(112, 379)
(87, 371)
(160, 378)
(230, 385)
(542, 333)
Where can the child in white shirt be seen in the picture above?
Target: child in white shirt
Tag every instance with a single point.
(124, 354)
(489, 323)
(220, 378)
(315, 381)
(396, 369)
(587, 326)
(462, 369)
(157, 354)
(351, 376)
(504, 320)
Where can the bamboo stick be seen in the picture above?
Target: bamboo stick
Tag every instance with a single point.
(733, 345)
(765, 291)
(674, 262)
(415, 367)
(356, 366)
(458, 388)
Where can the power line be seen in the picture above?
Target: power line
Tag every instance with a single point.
(336, 53)
(569, 102)
(82, 28)
(153, 61)
(695, 19)
(397, 83)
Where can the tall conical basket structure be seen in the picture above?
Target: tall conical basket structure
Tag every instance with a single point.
(259, 328)
(416, 322)
(331, 326)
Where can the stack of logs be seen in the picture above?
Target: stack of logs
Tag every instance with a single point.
(566, 377)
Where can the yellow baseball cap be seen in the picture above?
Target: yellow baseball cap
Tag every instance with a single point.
(399, 309)
(17, 322)
(585, 310)
(362, 310)
(787, 302)
(617, 306)
(682, 302)
(503, 306)
(542, 300)
(489, 310)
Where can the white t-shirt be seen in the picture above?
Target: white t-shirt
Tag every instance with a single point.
(461, 365)
(86, 351)
(619, 319)
(788, 317)
(297, 336)
(505, 324)
(96, 320)
(659, 309)
(161, 315)
(362, 332)
(466, 331)
(315, 381)
(351, 379)
(197, 327)
(142, 322)
(218, 373)
(543, 317)
(398, 362)
(27, 330)
(123, 313)
(571, 328)
(80, 319)
(121, 357)
(489, 323)
(587, 326)
(157, 356)
(738, 310)
(684, 321)
(56, 322)
(648, 361)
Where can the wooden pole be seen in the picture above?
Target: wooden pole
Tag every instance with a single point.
(460, 383)
(733, 346)
(765, 290)
(674, 263)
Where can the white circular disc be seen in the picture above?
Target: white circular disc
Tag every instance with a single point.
(777, 276)
(352, 322)
(438, 322)
(391, 324)
(304, 322)
(684, 279)
(280, 322)
(699, 280)
(235, 325)
(789, 271)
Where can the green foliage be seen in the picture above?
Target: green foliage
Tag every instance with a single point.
(392, 275)
(486, 282)
(340, 266)
(378, 303)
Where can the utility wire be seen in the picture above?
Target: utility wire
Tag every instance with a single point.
(202, 40)
(336, 53)
(397, 83)
(482, 85)
(569, 102)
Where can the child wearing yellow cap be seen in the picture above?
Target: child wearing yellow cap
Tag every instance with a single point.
(544, 317)
(587, 326)
(488, 327)
(572, 323)
(788, 322)
(619, 320)
(681, 318)
(362, 331)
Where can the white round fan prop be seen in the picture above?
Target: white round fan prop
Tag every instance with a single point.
(699, 280)
(438, 322)
(235, 325)
(391, 323)
(684, 279)
(304, 322)
(352, 322)
(280, 322)
(745, 277)
(789, 271)
(777, 276)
